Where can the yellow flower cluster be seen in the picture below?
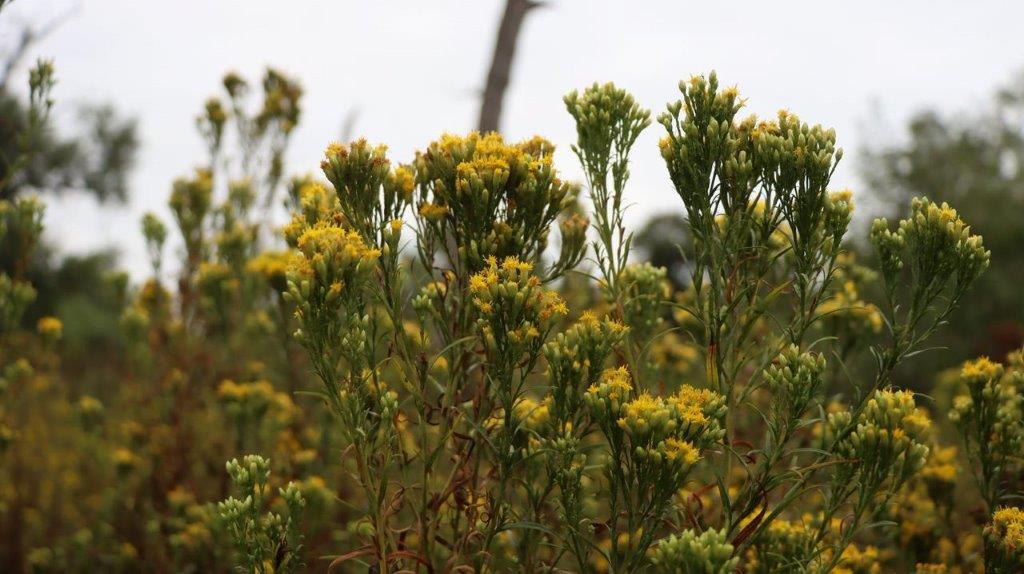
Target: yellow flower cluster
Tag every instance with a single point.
(480, 189)
(50, 328)
(1008, 528)
(272, 266)
(680, 451)
(370, 194)
(188, 524)
(532, 415)
(217, 280)
(942, 467)
(1004, 541)
(314, 203)
(857, 560)
(253, 400)
(647, 416)
(608, 395)
(784, 546)
(665, 434)
(845, 310)
(514, 307)
(980, 371)
(433, 212)
(989, 411)
(334, 259)
(888, 440)
(576, 356)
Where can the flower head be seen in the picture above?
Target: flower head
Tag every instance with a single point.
(515, 310)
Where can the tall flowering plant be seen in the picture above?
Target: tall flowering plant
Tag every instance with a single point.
(492, 424)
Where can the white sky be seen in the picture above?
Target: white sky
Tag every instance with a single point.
(414, 69)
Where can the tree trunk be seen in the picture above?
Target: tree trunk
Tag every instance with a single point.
(501, 63)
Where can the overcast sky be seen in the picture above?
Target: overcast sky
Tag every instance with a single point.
(414, 69)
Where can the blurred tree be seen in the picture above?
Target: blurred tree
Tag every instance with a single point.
(96, 160)
(661, 242)
(975, 162)
(501, 62)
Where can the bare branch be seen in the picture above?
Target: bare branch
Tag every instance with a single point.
(27, 39)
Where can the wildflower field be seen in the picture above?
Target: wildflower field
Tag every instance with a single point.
(455, 362)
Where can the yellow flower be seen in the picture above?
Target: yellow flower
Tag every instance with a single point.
(642, 414)
(514, 305)
(272, 266)
(680, 450)
(942, 465)
(1007, 528)
(981, 370)
(690, 403)
(433, 212)
(856, 560)
(532, 414)
(50, 328)
(615, 384)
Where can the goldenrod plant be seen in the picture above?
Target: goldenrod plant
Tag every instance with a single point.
(483, 438)
(267, 542)
(456, 364)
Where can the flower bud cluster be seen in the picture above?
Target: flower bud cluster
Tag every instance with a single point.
(576, 359)
(499, 200)
(887, 445)
(784, 546)
(794, 379)
(281, 97)
(314, 203)
(211, 123)
(708, 552)
(368, 410)
(155, 233)
(608, 121)
(21, 225)
(698, 139)
(1004, 540)
(334, 266)
(798, 163)
(190, 202)
(989, 413)
(745, 181)
(940, 248)
(266, 541)
(514, 310)
(370, 193)
(15, 297)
